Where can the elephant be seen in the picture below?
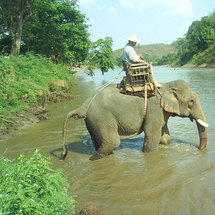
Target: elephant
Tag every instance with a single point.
(111, 116)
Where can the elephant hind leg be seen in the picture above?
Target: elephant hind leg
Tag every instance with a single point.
(107, 146)
(95, 143)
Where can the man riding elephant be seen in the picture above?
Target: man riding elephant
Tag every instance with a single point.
(130, 56)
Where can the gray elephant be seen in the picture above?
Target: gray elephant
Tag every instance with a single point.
(111, 116)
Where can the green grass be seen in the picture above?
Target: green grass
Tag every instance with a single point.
(26, 76)
(29, 186)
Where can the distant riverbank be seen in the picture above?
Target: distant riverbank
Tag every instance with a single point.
(204, 65)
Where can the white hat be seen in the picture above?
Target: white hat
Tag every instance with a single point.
(133, 38)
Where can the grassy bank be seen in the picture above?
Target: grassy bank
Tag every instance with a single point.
(29, 79)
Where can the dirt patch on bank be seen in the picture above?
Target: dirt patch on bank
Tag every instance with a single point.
(34, 114)
(21, 121)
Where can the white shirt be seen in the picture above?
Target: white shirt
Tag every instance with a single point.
(129, 53)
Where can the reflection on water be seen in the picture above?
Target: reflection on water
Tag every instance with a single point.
(175, 179)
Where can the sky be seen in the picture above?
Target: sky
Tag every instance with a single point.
(153, 21)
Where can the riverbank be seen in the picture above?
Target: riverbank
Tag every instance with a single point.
(189, 65)
(28, 83)
(204, 65)
(34, 114)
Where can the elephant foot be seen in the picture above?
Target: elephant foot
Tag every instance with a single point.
(98, 155)
(166, 141)
(148, 149)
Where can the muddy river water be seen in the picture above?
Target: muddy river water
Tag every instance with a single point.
(176, 179)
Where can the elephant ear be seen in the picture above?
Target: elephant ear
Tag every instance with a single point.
(169, 101)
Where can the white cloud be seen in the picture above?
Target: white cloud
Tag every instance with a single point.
(111, 10)
(180, 7)
(173, 7)
(86, 3)
(136, 4)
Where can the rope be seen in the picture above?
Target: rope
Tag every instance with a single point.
(100, 89)
(145, 106)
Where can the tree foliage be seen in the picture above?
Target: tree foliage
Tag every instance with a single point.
(59, 30)
(198, 39)
(54, 28)
(104, 53)
(100, 55)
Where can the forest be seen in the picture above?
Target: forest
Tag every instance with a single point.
(56, 29)
(197, 46)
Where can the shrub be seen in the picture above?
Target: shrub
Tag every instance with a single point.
(29, 186)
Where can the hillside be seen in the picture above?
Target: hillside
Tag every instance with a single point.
(151, 50)
(205, 58)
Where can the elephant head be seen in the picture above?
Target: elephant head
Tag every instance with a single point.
(180, 100)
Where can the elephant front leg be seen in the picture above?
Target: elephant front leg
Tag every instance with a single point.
(165, 136)
(153, 128)
(151, 140)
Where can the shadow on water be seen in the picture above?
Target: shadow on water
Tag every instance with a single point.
(81, 147)
(85, 146)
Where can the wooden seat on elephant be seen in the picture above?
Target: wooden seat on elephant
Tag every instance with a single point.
(138, 76)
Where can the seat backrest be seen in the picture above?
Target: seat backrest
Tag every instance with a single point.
(139, 73)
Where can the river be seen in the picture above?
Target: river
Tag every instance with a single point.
(176, 179)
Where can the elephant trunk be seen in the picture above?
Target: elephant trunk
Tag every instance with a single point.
(201, 125)
(199, 117)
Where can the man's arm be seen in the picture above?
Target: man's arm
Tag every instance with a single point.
(139, 59)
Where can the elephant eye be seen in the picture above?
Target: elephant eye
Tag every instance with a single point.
(190, 103)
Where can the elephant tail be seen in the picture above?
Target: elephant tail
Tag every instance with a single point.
(76, 114)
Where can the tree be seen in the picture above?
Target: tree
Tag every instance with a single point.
(104, 53)
(13, 16)
(5, 44)
(100, 56)
(200, 38)
(193, 37)
(211, 19)
(55, 28)
(208, 36)
(58, 30)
